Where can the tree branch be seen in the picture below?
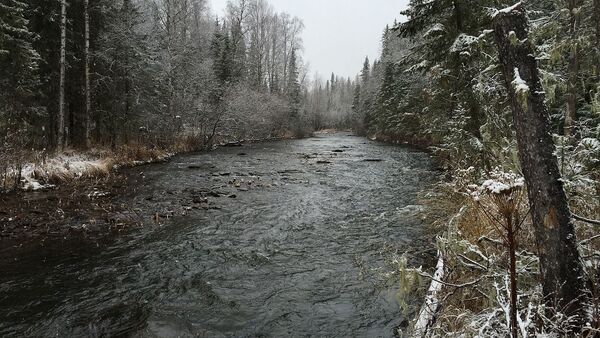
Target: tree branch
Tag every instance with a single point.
(586, 220)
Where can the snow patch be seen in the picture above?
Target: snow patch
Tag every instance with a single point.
(590, 144)
(437, 28)
(498, 184)
(36, 176)
(506, 10)
(519, 84)
(463, 42)
(419, 66)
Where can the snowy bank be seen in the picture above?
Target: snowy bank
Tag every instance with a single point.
(71, 165)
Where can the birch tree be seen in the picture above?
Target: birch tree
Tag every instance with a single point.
(60, 135)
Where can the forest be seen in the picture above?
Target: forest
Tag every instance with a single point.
(503, 96)
(148, 75)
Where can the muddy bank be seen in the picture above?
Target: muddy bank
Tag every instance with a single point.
(79, 208)
(80, 202)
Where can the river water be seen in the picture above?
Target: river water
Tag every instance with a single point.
(290, 238)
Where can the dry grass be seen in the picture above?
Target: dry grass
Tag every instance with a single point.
(474, 251)
(133, 154)
(69, 165)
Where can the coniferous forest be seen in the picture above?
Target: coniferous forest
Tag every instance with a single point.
(478, 124)
(76, 74)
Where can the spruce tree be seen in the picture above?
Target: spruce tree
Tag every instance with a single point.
(366, 71)
(122, 58)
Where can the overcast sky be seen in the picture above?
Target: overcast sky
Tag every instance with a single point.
(339, 33)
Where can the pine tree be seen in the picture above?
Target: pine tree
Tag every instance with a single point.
(222, 54)
(386, 104)
(122, 58)
(366, 71)
(332, 81)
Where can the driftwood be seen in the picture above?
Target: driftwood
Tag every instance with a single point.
(430, 307)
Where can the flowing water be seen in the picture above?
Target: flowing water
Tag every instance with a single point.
(290, 238)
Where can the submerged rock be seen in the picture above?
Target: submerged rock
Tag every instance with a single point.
(199, 200)
(233, 144)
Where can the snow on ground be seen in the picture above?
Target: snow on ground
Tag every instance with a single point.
(70, 166)
(37, 176)
(507, 9)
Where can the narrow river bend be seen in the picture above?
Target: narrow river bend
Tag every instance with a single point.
(290, 238)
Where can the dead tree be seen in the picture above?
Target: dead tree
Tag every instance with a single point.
(561, 267)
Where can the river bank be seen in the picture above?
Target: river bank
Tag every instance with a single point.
(84, 183)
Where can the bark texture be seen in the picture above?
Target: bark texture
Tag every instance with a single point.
(597, 22)
(561, 268)
(88, 97)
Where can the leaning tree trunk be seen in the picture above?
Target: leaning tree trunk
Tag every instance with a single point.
(597, 22)
(61, 94)
(561, 268)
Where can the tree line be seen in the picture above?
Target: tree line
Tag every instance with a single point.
(328, 103)
(80, 73)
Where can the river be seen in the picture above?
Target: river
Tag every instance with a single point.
(289, 238)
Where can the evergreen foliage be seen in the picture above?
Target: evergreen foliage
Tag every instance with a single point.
(159, 70)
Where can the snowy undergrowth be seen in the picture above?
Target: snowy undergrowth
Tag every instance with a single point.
(474, 297)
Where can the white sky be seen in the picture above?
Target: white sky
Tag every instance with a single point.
(338, 33)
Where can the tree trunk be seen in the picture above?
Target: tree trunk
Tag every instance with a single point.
(61, 90)
(88, 100)
(571, 114)
(126, 124)
(561, 268)
(512, 254)
(457, 15)
(597, 21)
